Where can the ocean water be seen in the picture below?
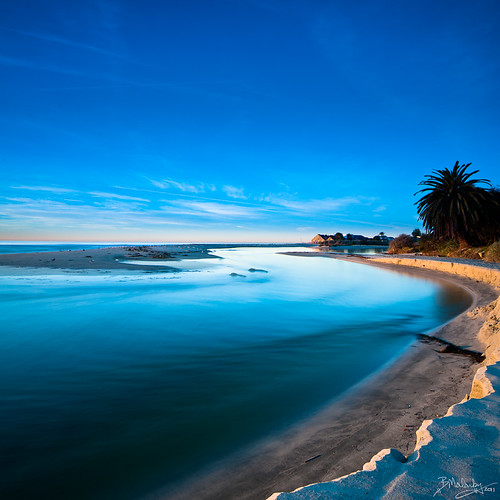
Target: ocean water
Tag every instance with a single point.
(36, 246)
(119, 385)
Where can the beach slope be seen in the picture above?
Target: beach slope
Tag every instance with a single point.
(454, 456)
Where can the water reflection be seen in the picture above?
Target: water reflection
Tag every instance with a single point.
(130, 380)
(352, 249)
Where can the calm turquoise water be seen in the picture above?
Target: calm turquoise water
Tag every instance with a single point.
(113, 386)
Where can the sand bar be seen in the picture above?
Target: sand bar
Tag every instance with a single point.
(107, 258)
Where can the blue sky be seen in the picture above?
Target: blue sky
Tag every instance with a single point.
(238, 120)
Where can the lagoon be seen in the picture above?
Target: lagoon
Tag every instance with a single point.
(118, 384)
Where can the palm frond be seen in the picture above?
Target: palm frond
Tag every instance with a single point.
(451, 202)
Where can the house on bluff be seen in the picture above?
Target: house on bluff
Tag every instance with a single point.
(320, 239)
(339, 239)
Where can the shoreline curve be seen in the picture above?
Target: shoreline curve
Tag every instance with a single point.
(373, 415)
(456, 453)
(376, 415)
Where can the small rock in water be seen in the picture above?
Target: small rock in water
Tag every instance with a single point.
(236, 274)
(253, 270)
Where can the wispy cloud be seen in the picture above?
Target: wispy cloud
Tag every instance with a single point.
(36, 211)
(210, 209)
(207, 197)
(284, 202)
(313, 206)
(100, 194)
(110, 80)
(59, 214)
(42, 66)
(64, 41)
(51, 189)
(64, 69)
(96, 194)
(181, 186)
(234, 192)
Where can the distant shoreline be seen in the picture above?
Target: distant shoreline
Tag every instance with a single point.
(93, 257)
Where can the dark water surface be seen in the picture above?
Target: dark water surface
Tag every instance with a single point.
(114, 386)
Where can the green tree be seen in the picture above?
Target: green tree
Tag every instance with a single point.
(453, 203)
(416, 233)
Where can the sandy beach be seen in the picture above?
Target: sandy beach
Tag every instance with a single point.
(383, 412)
(106, 258)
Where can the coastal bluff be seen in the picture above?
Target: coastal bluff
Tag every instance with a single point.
(487, 273)
(456, 455)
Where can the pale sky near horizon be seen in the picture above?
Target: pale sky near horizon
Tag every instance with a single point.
(250, 120)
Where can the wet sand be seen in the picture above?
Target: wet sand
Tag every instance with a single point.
(106, 258)
(382, 412)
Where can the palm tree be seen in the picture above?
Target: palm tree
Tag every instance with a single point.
(453, 203)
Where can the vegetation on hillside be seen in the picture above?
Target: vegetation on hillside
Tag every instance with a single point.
(338, 239)
(404, 243)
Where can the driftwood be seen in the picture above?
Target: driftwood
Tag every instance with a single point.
(448, 347)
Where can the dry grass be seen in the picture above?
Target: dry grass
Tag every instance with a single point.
(492, 253)
(451, 248)
(404, 243)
